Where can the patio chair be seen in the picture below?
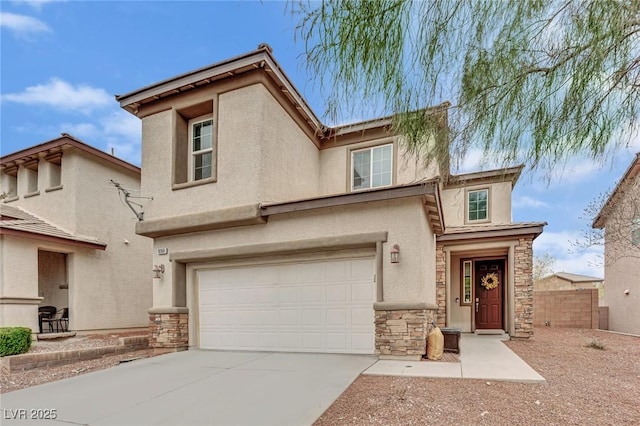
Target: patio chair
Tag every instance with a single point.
(45, 312)
(59, 322)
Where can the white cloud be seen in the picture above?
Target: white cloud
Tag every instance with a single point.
(80, 130)
(123, 124)
(568, 258)
(476, 160)
(118, 130)
(526, 201)
(22, 25)
(61, 95)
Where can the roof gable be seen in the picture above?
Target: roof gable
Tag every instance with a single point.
(55, 146)
(632, 173)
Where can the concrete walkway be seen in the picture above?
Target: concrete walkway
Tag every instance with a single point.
(481, 357)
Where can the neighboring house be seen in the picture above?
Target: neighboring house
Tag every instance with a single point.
(567, 281)
(620, 218)
(274, 232)
(67, 240)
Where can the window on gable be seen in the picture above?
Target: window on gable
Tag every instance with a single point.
(371, 167)
(201, 149)
(478, 205)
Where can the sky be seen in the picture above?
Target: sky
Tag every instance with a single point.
(62, 63)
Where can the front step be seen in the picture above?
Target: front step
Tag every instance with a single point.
(493, 332)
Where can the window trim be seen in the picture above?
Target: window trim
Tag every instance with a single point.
(192, 154)
(468, 191)
(463, 262)
(371, 147)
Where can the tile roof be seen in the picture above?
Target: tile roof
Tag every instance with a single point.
(487, 228)
(16, 219)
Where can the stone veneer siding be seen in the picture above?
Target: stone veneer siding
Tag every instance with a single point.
(169, 330)
(441, 285)
(401, 329)
(523, 282)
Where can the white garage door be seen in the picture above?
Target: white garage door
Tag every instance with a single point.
(303, 307)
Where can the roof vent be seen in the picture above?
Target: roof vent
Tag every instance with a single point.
(265, 46)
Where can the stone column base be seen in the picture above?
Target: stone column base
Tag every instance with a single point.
(169, 328)
(402, 328)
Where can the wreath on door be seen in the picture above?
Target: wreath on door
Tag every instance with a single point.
(490, 281)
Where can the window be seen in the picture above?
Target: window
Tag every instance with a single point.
(478, 205)
(194, 143)
(467, 279)
(371, 167)
(201, 149)
(635, 232)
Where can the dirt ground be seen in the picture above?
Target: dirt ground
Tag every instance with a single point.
(585, 386)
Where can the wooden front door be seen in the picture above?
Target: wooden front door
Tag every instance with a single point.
(488, 303)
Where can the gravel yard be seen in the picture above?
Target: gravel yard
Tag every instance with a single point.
(585, 386)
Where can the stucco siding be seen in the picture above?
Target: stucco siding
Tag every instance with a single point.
(58, 206)
(622, 264)
(290, 164)
(460, 316)
(454, 200)
(335, 165)
(412, 279)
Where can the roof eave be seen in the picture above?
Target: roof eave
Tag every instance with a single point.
(53, 239)
(534, 230)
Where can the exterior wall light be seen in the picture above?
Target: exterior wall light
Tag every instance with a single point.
(395, 254)
(158, 270)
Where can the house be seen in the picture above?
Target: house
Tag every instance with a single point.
(275, 232)
(67, 239)
(620, 219)
(567, 281)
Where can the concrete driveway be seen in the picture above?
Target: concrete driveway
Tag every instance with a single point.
(194, 388)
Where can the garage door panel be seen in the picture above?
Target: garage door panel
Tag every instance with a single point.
(361, 292)
(362, 317)
(322, 306)
(338, 292)
(312, 294)
(313, 317)
(338, 342)
(338, 317)
(361, 269)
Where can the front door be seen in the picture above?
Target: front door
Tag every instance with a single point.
(489, 287)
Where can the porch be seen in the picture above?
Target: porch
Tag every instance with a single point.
(482, 357)
(484, 278)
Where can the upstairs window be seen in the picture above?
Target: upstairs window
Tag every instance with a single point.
(194, 143)
(478, 205)
(201, 149)
(371, 167)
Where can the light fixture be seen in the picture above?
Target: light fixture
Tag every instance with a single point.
(158, 270)
(395, 254)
